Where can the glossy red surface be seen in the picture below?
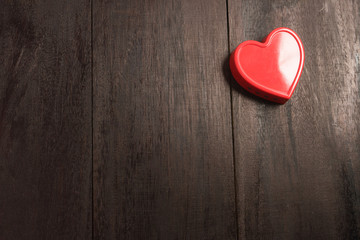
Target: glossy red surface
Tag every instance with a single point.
(269, 69)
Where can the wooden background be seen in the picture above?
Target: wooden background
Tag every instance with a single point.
(120, 120)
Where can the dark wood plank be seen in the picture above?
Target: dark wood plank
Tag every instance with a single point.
(163, 162)
(45, 120)
(297, 165)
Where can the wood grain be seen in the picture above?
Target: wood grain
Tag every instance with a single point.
(297, 165)
(160, 117)
(45, 120)
(163, 163)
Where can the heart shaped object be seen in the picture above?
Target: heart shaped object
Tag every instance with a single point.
(270, 69)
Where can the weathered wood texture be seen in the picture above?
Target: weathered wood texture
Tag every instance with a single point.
(298, 165)
(124, 129)
(45, 120)
(163, 163)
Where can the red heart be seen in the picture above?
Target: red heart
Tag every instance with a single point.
(270, 69)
